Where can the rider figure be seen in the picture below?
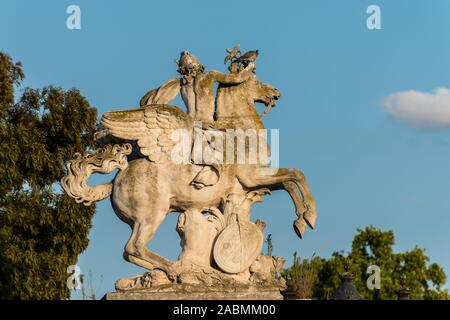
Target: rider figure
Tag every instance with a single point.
(197, 91)
(196, 87)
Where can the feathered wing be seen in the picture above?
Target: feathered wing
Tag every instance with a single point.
(151, 126)
(163, 94)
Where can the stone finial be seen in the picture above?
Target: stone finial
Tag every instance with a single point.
(404, 292)
(347, 290)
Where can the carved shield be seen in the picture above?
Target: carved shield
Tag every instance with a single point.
(238, 246)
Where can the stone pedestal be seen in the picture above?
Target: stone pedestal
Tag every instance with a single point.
(198, 292)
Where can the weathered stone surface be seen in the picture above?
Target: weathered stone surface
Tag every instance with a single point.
(196, 292)
(237, 246)
(172, 161)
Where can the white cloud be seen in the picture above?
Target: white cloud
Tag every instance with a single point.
(420, 109)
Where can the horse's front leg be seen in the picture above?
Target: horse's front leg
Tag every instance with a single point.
(309, 203)
(292, 181)
(300, 223)
(310, 214)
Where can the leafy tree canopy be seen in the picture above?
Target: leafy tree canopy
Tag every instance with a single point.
(373, 246)
(42, 231)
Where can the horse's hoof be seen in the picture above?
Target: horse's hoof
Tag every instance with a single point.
(172, 276)
(300, 227)
(173, 271)
(159, 277)
(310, 218)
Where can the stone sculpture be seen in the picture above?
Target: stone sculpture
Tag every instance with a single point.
(171, 161)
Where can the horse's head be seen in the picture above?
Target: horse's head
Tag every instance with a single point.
(263, 92)
(272, 94)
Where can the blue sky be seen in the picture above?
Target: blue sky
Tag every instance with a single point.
(364, 166)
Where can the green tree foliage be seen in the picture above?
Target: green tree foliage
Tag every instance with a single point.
(372, 246)
(42, 231)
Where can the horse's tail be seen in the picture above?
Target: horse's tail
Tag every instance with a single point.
(79, 169)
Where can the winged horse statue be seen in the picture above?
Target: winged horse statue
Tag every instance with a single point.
(149, 184)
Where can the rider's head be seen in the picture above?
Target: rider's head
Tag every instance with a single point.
(188, 65)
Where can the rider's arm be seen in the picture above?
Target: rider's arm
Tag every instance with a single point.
(233, 78)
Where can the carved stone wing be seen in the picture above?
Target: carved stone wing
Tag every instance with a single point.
(151, 126)
(163, 94)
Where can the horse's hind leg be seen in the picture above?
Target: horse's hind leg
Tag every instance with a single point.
(144, 229)
(130, 250)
